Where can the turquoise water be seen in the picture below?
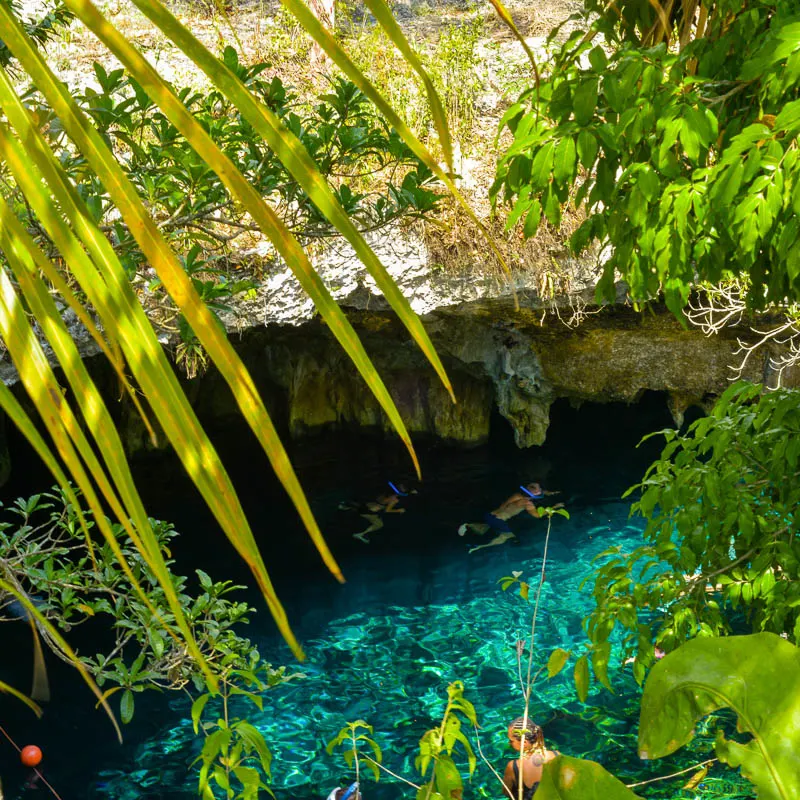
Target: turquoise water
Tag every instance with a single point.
(385, 650)
(417, 612)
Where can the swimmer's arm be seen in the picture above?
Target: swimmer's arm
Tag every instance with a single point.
(509, 780)
(389, 508)
(555, 491)
(532, 510)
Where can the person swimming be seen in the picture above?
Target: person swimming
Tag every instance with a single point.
(497, 520)
(385, 503)
(346, 793)
(526, 737)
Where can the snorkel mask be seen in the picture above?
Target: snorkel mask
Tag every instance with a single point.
(396, 490)
(351, 790)
(531, 494)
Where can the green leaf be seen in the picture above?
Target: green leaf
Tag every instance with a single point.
(566, 778)
(557, 661)
(758, 677)
(581, 676)
(448, 779)
(197, 710)
(600, 655)
(126, 706)
(647, 180)
(789, 118)
(690, 139)
(587, 148)
(564, 161)
(598, 59)
(532, 221)
(542, 165)
(585, 100)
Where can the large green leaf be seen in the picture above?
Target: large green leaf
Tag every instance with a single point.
(758, 677)
(576, 779)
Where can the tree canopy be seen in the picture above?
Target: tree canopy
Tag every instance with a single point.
(677, 126)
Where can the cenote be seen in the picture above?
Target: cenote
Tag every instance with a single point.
(417, 612)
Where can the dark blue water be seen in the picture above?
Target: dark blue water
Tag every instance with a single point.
(418, 611)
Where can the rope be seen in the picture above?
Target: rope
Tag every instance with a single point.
(39, 774)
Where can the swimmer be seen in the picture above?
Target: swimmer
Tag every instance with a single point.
(349, 793)
(528, 738)
(497, 520)
(385, 503)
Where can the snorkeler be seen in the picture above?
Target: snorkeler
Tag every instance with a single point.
(527, 738)
(383, 504)
(349, 793)
(497, 520)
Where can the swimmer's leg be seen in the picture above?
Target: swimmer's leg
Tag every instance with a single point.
(501, 538)
(473, 527)
(375, 524)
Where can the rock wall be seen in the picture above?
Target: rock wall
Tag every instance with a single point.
(497, 359)
(506, 349)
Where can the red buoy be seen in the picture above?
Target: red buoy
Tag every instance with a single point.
(30, 755)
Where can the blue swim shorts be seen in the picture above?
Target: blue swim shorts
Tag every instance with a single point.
(497, 524)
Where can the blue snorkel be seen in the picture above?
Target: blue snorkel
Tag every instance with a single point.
(351, 790)
(396, 490)
(531, 494)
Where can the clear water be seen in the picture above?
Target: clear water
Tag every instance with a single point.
(417, 612)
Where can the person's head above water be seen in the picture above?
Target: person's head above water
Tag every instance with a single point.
(532, 734)
(349, 793)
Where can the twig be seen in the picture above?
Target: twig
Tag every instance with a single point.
(486, 760)
(673, 775)
(704, 578)
(388, 771)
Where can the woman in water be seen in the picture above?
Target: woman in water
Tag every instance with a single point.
(529, 739)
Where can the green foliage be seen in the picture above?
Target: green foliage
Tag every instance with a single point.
(758, 677)
(515, 580)
(44, 553)
(686, 156)
(51, 19)
(351, 738)
(374, 174)
(720, 506)
(235, 757)
(436, 748)
(452, 63)
(557, 661)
